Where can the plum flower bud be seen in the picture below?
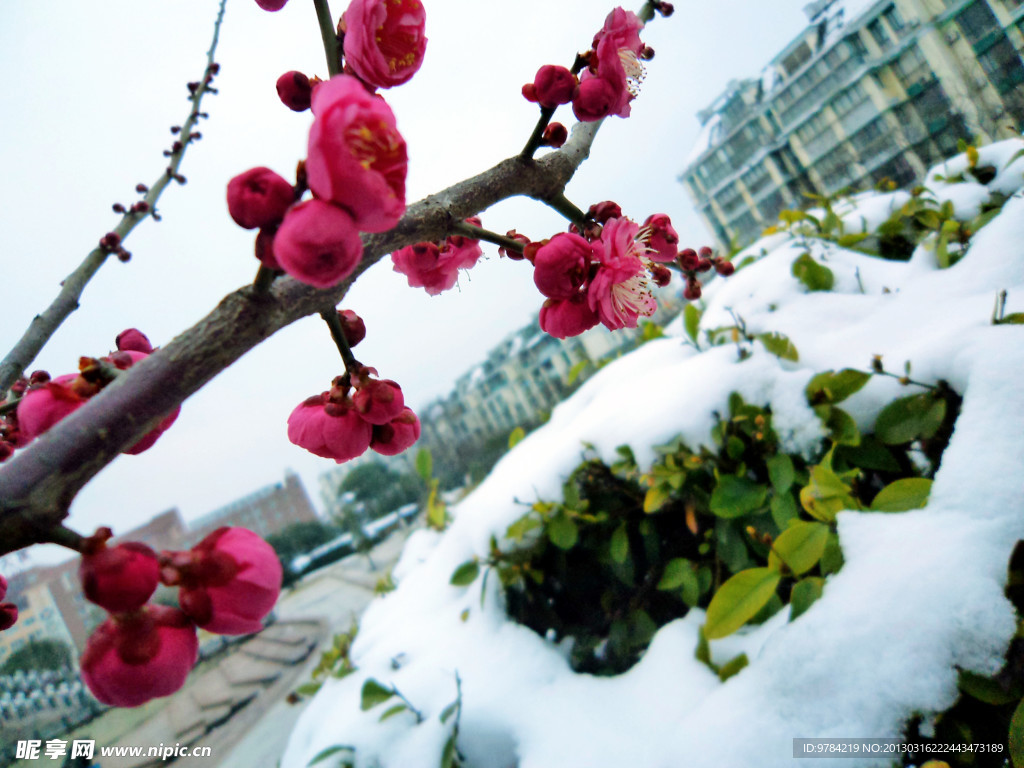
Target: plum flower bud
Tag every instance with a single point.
(41, 408)
(435, 267)
(258, 198)
(120, 578)
(378, 401)
(688, 259)
(660, 274)
(555, 135)
(353, 326)
(137, 656)
(384, 40)
(229, 581)
(295, 91)
(264, 248)
(723, 267)
(692, 291)
(397, 435)
(604, 211)
(510, 253)
(133, 340)
(8, 615)
(554, 85)
(8, 611)
(318, 244)
(356, 156)
(271, 5)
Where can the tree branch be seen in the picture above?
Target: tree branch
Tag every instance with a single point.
(44, 325)
(39, 482)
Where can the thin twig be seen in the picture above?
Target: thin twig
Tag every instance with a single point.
(44, 325)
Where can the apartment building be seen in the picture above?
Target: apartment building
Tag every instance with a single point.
(870, 90)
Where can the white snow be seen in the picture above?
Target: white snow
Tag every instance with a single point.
(920, 594)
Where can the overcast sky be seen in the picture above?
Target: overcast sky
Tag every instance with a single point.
(89, 93)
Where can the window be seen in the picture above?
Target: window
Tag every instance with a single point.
(893, 19)
(756, 179)
(879, 34)
(856, 47)
(1002, 65)
(977, 21)
(797, 58)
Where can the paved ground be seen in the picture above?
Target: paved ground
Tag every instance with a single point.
(257, 735)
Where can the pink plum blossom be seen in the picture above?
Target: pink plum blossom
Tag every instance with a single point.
(397, 435)
(563, 318)
(435, 267)
(137, 656)
(229, 581)
(551, 86)
(378, 401)
(8, 611)
(318, 244)
(357, 158)
(328, 429)
(258, 198)
(44, 406)
(562, 265)
(661, 238)
(384, 40)
(618, 293)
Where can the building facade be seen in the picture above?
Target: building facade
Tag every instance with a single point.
(870, 90)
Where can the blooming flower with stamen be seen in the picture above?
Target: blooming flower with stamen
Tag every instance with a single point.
(357, 158)
(384, 41)
(619, 293)
(615, 73)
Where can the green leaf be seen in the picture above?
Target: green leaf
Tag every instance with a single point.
(450, 710)
(736, 496)
(988, 690)
(1016, 735)
(703, 652)
(832, 560)
(517, 530)
(800, 546)
(852, 239)
(655, 498)
(674, 574)
(1014, 318)
(783, 509)
(1014, 158)
(562, 531)
(517, 435)
(826, 494)
(812, 274)
(650, 331)
(424, 464)
(738, 600)
(620, 544)
(834, 387)
(448, 753)
(901, 495)
(465, 574)
(841, 426)
(870, 454)
(577, 369)
(691, 321)
(910, 418)
(333, 751)
(308, 689)
(779, 345)
(437, 512)
(373, 694)
(732, 666)
(392, 711)
(781, 472)
(803, 595)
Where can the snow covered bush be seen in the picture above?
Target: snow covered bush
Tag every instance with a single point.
(835, 434)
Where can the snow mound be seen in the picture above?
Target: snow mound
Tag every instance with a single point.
(919, 597)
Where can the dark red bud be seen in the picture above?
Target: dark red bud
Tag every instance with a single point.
(724, 268)
(110, 241)
(554, 135)
(692, 291)
(661, 274)
(353, 325)
(647, 53)
(705, 252)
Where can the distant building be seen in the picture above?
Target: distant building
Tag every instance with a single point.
(50, 600)
(871, 89)
(265, 511)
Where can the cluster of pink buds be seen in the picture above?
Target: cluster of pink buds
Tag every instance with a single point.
(42, 401)
(356, 160)
(358, 412)
(435, 266)
(8, 611)
(609, 74)
(228, 582)
(695, 262)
